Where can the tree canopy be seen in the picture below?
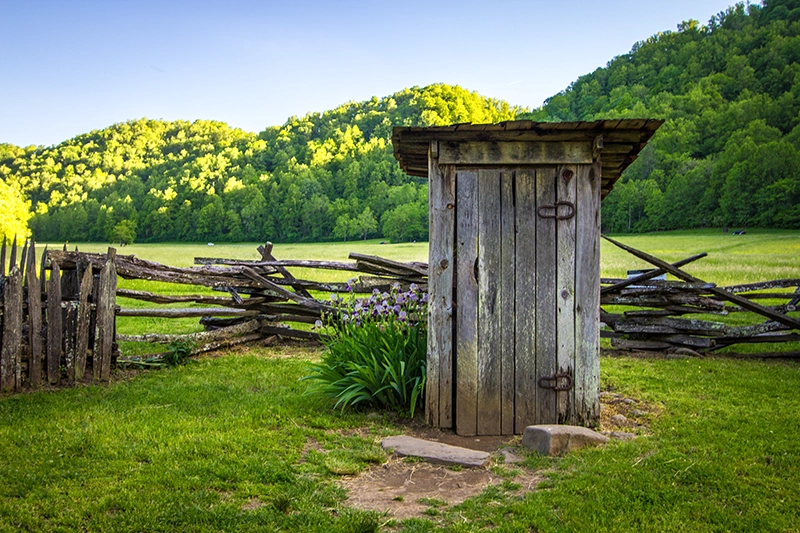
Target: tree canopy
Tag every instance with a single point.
(728, 154)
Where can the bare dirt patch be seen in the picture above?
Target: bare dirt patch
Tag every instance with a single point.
(397, 487)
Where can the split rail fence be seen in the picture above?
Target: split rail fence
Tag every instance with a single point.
(61, 328)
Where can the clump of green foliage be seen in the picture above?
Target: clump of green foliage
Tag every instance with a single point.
(376, 352)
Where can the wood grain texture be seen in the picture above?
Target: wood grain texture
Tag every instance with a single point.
(525, 393)
(565, 292)
(466, 303)
(507, 301)
(11, 350)
(104, 338)
(439, 386)
(70, 330)
(489, 303)
(587, 297)
(545, 296)
(514, 153)
(84, 318)
(34, 321)
(54, 325)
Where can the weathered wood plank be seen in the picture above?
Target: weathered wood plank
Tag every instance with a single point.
(439, 392)
(514, 153)
(82, 328)
(34, 321)
(3, 258)
(566, 190)
(70, 331)
(266, 255)
(525, 298)
(587, 297)
(507, 303)
(545, 296)
(648, 275)
(172, 312)
(466, 303)
(11, 351)
(489, 303)
(54, 326)
(104, 329)
(202, 336)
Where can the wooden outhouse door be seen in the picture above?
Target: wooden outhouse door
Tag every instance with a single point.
(525, 296)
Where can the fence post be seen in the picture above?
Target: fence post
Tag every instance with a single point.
(106, 302)
(10, 364)
(54, 323)
(34, 321)
(84, 317)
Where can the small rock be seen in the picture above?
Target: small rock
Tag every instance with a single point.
(434, 452)
(553, 439)
(510, 457)
(638, 412)
(621, 435)
(620, 420)
(628, 401)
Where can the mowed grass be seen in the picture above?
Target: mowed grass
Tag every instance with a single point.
(233, 444)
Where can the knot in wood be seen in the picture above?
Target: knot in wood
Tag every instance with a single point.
(444, 263)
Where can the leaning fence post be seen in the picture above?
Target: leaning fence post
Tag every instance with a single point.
(106, 302)
(34, 321)
(10, 363)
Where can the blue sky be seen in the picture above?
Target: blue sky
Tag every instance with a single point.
(68, 67)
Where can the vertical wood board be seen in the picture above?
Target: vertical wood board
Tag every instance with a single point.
(545, 295)
(104, 339)
(54, 325)
(525, 298)
(11, 350)
(565, 292)
(587, 296)
(489, 303)
(34, 321)
(507, 305)
(70, 327)
(466, 303)
(82, 328)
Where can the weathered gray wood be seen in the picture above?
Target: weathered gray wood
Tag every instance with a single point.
(626, 344)
(10, 353)
(775, 284)
(489, 303)
(270, 285)
(743, 302)
(172, 312)
(23, 260)
(439, 386)
(164, 299)
(506, 301)
(566, 190)
(202, 336)
(266, 255)
(54, 326)
(546, 347)
(648, 275)
(525, 298)
(587, 297)
(3, 258)
(394, 267)
(514, 153)
(12, 260)
(82, 329)
(34, 321)
(466, 303)
(70, 331)
(104, 336)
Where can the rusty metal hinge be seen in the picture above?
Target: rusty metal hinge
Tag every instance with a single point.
(551, 382)
(554, 208)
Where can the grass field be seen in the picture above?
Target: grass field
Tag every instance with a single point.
(232, 443)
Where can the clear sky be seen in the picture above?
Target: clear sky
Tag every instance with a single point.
(70, 66)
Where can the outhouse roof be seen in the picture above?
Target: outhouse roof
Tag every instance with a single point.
(622, 140)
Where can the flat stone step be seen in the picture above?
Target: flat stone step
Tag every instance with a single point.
(553, 439)
(435, 452)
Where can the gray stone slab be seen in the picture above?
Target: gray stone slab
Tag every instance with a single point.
(435, 452)
(554, 439)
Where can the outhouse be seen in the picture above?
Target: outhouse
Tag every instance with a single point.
(514, 275)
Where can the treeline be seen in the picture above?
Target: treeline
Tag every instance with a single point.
(729, 153)
(316, 178)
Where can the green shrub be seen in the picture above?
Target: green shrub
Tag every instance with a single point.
(376, 351)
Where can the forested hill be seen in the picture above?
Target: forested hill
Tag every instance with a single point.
(729, 153)
(320, 177)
